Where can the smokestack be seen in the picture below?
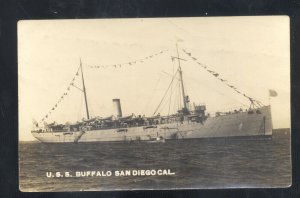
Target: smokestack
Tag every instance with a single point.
(117, 107)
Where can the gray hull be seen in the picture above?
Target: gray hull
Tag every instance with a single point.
(240, 124)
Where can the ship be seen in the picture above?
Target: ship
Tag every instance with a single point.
(189, 122)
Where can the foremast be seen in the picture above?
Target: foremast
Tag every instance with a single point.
(84, 92)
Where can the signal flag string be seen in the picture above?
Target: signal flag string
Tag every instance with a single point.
(217, 75)
(130, 62)
(62, 96)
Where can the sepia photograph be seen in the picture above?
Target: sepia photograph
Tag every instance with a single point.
(154, 103)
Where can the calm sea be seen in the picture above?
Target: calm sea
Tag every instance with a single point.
(197, 163)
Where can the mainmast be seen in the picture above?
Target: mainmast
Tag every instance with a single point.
(181, 80)
(84, 92)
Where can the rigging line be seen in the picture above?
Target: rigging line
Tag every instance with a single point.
(177, 100)
(218, 92)
(79, 113)
(217, 74)
(167, 101)
(77, 88)
(179, 96)
(150, 99)
(171, 75)
(60, 99)
(163, 105)
(170, 100)
(165, 93)
(174, 107)
(152, 94)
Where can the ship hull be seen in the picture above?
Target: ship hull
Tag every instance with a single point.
(240, 124)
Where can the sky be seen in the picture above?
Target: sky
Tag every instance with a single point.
(251, 53)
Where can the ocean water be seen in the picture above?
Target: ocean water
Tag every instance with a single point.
(197, 163)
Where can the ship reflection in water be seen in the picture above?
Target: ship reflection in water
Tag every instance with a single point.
(196, 163)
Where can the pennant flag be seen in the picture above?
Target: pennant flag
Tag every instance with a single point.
(272, 93)
(64, 94)
(131, 62)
